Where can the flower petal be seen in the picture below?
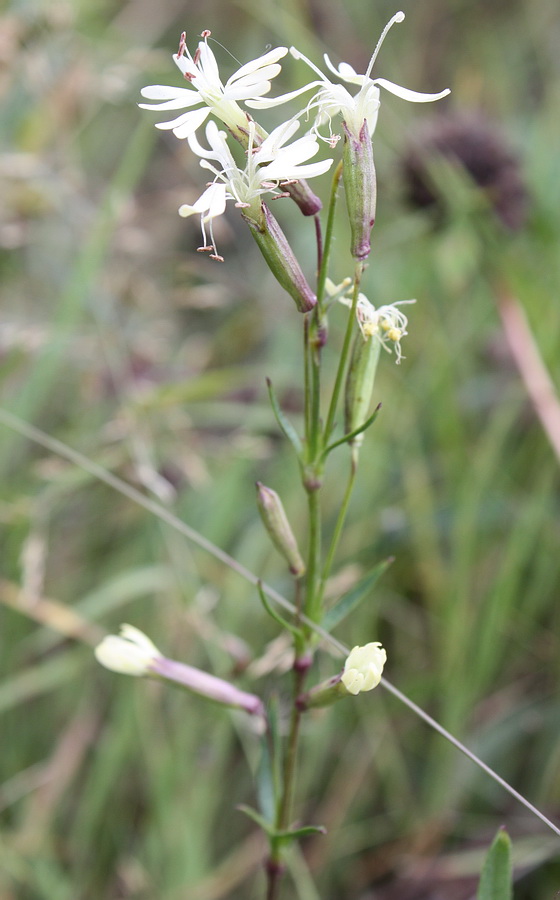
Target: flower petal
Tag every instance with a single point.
(344, 71)
(276, 101)
(166, 92)
(280, 171)
(259, 63)
(187, 123)
(406, 94)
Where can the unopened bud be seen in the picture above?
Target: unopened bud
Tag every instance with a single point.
(364, 667)
(359, 384)
(362, 672)
(280, 259)
(276, 523)
(360, 187)
(133, 653)
(301, 193)
(130, 653)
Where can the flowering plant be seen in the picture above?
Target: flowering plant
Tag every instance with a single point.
(255, 166)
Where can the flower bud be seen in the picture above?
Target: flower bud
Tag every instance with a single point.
(359, 384)
(280, 258)
(132, 653)
(363, 668)
(276, 523)
(360, 187)
(362, 672)
(301, 193)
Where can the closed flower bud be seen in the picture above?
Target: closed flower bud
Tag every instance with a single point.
(133, 653)
(362, 672)
(363, 668)
(276, 523)
(360, 186)
(280, 259)
(359, 384)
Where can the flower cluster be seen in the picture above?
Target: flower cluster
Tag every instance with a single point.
(272, 164)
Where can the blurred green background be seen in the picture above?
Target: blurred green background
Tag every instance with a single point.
(121, 341)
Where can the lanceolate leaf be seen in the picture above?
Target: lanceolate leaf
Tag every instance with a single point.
(349, 601)
(284, 423)
(495, 881)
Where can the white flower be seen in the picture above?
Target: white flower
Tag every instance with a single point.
(386, 323)
(331, 99)
(268, 165)
(132, 653)
(363, 668)
(201, 70)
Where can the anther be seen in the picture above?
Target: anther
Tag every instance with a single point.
(216, 257)
(182, 44)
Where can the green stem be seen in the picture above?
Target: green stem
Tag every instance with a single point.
(325, 256)
(344, 354)
(312, 598)
(339, 523)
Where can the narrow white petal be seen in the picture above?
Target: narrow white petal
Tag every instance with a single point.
(406, 94)
(190, 122)
(247, 91)
(344, 71)
(276, 139)
(208, 63)
(216, 201)
(280, 171)
(166, 92)
(180, 103)
(259, 63)
(277, 101)
(264, 74)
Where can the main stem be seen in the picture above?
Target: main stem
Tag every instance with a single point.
(313, 339)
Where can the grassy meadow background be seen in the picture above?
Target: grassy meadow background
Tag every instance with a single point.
(119, 340)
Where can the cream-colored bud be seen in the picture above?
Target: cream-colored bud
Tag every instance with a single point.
(131, 653)
(364, 667)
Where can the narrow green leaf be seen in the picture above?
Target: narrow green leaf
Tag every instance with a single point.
(275, 615)
(352, 434)
(285, 425)
(263, 823)
(496, 878)
(293, 834)
(265, 781)
(348, 602)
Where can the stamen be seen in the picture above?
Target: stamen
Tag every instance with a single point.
(206, 33)
(216, 257)
(398, 17)
(205, 249)
(280, 196)
(196, 57)
(189, 76)
(182, 44)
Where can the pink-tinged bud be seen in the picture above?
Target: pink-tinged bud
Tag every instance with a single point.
(276, 523)
(280, 259)
(133, 653)
(301, 193)
(359, 384)
(360, 186)
(206, 685)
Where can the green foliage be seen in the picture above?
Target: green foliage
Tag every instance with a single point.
(496, 878)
